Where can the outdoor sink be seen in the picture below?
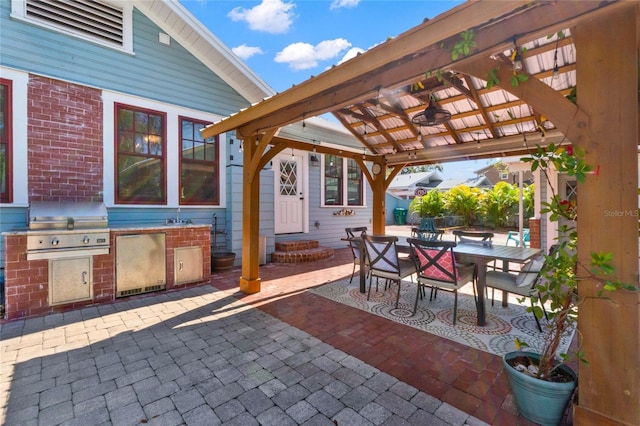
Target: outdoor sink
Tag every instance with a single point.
(178, 222)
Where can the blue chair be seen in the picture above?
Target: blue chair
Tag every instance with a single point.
(427, 231)
(513, 236)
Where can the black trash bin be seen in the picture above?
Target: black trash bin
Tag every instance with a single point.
(400, 215)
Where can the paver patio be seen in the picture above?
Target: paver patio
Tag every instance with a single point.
(213, 355)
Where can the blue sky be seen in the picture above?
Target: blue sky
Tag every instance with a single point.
(286, 42)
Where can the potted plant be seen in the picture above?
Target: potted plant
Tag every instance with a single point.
(222, 260)
(541, 382)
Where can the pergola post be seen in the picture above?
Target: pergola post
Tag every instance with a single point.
(607, 81)
(250, 280)
(379, 188)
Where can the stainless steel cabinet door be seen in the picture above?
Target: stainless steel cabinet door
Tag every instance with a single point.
(70, 280)
(188, 264)
(140, 263)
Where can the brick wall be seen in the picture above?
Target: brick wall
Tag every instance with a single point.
(186, 237)
(64, 141)
(27, 281)
(534, 233)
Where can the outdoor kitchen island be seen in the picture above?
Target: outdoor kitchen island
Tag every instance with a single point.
(47, 281)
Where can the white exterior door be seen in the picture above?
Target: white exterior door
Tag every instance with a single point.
(289, 197)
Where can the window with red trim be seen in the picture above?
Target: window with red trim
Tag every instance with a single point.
(343, 182)
(355, 187)
(6, 142)
(199, 164)
(333, 179)
(140, 155)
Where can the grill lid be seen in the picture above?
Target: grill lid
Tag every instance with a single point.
(67, 215)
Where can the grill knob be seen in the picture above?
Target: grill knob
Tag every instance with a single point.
(85, 240)
(55, 242)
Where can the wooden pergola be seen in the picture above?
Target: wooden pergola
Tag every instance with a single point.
(590, 45)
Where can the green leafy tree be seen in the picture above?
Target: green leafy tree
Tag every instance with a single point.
(528, 193)
(464, 201)
(429, 205)
(498, 203)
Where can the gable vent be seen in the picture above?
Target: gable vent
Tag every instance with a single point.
(91, 18)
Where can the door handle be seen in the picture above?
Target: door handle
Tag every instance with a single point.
(180, 266)
(84, 277)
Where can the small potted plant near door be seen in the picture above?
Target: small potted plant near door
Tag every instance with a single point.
(541, 381)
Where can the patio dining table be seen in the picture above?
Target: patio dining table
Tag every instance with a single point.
(480, 254)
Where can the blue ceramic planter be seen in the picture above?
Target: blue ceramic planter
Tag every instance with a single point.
(538, 400)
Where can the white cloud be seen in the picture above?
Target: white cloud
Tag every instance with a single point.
(271, 16)
(245, 52)
(351, 53)
(328, 49)
(301, 56)
(337, 4)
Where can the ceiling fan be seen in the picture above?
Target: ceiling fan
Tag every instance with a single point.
(431, 116)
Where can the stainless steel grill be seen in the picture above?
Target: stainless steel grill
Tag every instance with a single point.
(67, 229)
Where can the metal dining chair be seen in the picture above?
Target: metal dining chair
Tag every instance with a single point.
(384, 262)
(354, 239)
(475, 237)
(427, 230)
(436, 267)
(523, 283)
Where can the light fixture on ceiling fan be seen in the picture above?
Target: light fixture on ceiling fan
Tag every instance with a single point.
(431, 116)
